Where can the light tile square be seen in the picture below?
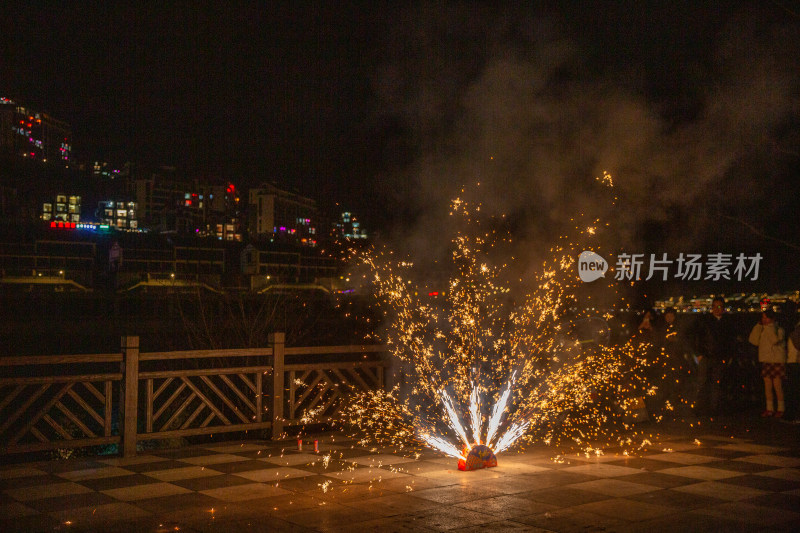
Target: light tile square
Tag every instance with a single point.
(380, 460)
(790, 474)
(109, 512)
(683, 458)
(271, 475)
(700, 472)
(514, 468)
(251, 491)
(751, 448)
(143, 492)
(757, 515)
(625, 509)
(10, 510)
(602, 470)
(772, 460)
(12, 473)
(723, 491)
(188, 472)
(613, 487)
(291, 459)
(137, 460)
(95, 473)
(48, 490)
(237, 448)
(214, 459)
(362, 475)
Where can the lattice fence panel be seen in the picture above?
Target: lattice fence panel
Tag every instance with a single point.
(41, 413)
(199, 401)
(317, 391)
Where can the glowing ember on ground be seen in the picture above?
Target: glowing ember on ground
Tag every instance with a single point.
(490, 355)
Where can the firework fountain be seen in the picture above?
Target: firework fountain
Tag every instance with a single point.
(485, 367)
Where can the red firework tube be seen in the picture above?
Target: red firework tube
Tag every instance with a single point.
(299, 445)
(316, 446)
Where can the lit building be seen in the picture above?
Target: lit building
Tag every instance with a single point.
(275, 214)
(168, 203)
(349, 227)
(32, 134)
(64, 208)
(119, 214)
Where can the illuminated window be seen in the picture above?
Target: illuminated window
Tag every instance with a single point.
(48, 208)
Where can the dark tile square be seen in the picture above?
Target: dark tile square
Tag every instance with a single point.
(318, 467)
(56, 467)
(29, 524)
(675, 498)
(788, 502)
(656, 479)
(116, 482)
(257, 454)
(763, 483)
(211, 482)
(643, 463)
(32, 481)
(556, 478)
(305, 484)
(740, 466)
(564, 497)
(155, 465)
(716, 452)
(73, 501)
(349, 453)
(177, 502)
(241, 466)
(183, 453)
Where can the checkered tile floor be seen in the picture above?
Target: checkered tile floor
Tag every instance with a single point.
(705, 483)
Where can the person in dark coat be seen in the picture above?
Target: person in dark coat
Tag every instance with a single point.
(716, 344)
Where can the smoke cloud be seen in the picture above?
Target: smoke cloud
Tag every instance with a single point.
(533, 111)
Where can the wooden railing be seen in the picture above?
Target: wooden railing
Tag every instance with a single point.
(49, 402)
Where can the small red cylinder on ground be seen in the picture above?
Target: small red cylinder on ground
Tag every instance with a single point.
(316, 446)
(299, 445)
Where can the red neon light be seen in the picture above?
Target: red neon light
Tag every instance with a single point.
(53, 224)
(434, 293)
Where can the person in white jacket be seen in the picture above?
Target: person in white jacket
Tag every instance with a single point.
(792, 392)
(771, 341)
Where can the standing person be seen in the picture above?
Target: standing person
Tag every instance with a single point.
(672, 353)
(716, 345)
(792, 392)
(771, 341)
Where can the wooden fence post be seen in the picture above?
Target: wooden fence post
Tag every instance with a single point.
(129, 392)
(277, 340)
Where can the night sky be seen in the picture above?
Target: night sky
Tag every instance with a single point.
(389, 108)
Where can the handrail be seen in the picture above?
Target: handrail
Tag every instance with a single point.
(202, 354)
(60, 359)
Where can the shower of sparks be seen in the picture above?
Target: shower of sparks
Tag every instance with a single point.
(475, 415)
(497, 413)
(453, 421)
(486, 335)
(444, 446)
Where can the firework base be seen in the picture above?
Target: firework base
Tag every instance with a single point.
(479, 456)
